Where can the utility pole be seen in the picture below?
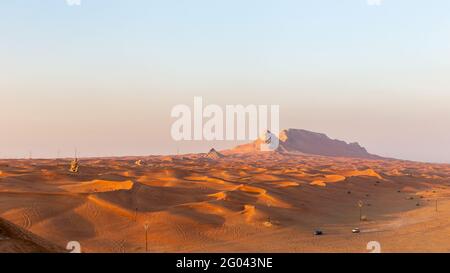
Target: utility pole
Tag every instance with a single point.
(360, 205)
(146, 236)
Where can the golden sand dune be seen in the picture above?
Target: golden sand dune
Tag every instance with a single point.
(17, 240)
(394, 172)
(284, 184)
(249, 212)
(98, 186)
(367, 172)
(236, 203)
(331, 178)
(219, 195)
(117, 209)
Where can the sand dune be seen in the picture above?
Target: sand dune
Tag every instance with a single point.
(285, 184)
(333, 178)
(17, 240)
(367, 172)
(249, 202)
(98, 186)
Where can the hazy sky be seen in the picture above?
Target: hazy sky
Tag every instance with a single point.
(104, 76)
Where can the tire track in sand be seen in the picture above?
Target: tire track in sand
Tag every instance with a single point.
(29, 216)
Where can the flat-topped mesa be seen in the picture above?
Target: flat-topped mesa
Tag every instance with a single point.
(213, 154)
(307, 142)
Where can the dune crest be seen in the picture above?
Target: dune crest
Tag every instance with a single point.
(367, 172)
(98, 186)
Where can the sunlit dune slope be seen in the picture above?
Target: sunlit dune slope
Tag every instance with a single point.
(235, 202)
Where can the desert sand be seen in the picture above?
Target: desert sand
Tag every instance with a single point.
(246, 202)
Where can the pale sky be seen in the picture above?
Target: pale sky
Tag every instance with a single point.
(104, 76)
